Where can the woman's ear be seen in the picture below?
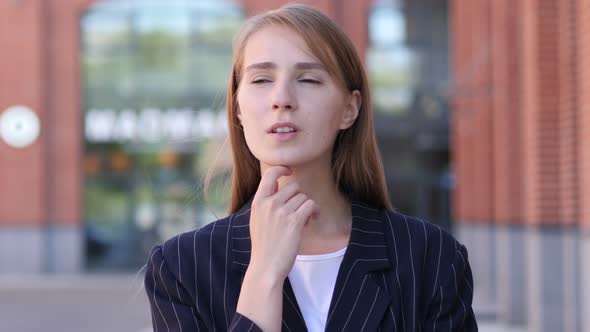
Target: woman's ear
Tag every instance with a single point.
(351, 110)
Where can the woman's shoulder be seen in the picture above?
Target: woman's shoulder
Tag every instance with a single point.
(418, 228)
(429, 240)
(188, 246)
(408, 234)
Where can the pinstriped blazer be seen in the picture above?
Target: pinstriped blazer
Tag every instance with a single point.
(398, 274)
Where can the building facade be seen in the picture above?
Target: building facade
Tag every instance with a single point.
(109, 119)
(521, 154)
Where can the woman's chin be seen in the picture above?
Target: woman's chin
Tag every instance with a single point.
(272, 163)
(285, 161)
(293, 160)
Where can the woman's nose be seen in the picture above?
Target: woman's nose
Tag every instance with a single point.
(283, 97)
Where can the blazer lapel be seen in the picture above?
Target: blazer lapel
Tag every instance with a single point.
(292, 316)
(360, 299)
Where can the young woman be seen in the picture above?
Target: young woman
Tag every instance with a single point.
(311, 242)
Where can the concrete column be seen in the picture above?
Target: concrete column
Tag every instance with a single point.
(479, 239)
(511, 274)
(585, 285)
(554, 284)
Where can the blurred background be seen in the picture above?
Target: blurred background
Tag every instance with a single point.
(112, 113)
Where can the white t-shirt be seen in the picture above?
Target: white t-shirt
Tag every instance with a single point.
(313, 278)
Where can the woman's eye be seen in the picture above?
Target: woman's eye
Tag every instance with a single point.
(309, 80)
(260, 80)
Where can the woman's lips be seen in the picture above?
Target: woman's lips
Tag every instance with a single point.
(284, 131)
(284, 136)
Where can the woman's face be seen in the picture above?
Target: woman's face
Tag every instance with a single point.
(289, 106)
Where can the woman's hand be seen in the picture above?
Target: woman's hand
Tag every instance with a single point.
(276, 223)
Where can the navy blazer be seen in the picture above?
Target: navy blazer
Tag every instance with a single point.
(398, 274)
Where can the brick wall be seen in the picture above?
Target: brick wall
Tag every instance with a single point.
(520, 142)
(582, 9)
(472, 126)
(39, 68)
(22, 78)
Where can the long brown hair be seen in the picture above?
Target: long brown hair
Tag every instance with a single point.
(356, 161)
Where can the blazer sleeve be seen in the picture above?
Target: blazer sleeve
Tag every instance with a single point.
(450, 308)
(172, 307)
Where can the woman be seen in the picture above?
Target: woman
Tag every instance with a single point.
(311, 242)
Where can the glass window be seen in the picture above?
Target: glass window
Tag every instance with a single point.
(154, 79)
(407, 62)
(390, 62)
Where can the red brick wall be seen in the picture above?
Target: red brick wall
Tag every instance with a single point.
(460, 131)
(472, 128)
(504, 110)
(22, 81)
(568, 108)
(520, 135)
(529, 168)
(39, 68)
(582, 10)
(64, 88)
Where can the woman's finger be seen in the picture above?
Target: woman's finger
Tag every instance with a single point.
(286, 192)
(268, 182)
(305, 211)
(295, 202)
